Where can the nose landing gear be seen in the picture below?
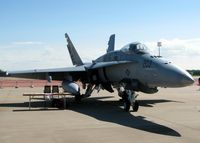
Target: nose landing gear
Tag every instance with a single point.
(129, 100)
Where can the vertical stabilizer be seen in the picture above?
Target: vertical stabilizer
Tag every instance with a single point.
(76, 60)
(111, 43)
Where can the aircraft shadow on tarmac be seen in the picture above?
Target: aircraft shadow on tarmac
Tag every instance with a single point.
(110, 111)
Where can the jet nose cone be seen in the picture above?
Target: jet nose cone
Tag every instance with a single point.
(181, 77)
(187, 80)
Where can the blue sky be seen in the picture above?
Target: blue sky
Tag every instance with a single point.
(32, 31)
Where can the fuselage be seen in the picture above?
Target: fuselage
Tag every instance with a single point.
(149, 70)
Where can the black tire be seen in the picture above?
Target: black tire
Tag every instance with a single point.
(127, 105)
(124, 96)
(135, 106)
(78, 98)
(55, 103)
(58, 103)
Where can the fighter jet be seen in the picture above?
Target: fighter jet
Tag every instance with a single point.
(129, 70)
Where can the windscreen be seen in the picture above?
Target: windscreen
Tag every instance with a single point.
(136, 48)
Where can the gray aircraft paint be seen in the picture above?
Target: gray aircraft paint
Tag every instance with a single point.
(129, 69)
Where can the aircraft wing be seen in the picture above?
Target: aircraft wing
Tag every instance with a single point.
(56, 73)
(78, 72)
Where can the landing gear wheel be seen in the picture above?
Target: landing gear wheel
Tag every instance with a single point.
(135, 106)
(127, 105)
(78, 98)
(57, 103)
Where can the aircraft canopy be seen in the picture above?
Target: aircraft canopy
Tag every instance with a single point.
(136, 48)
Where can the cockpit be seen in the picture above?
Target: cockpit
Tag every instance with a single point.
(136, 48)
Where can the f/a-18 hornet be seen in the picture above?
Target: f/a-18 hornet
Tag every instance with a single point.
(131, 69)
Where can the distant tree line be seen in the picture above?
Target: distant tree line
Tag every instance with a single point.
(194, 72)
(2, 73)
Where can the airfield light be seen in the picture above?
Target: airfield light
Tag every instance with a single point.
(159, 44)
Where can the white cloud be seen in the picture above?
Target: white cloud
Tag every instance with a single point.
(34, 55)
(27, 43)
(183, 52)
(31, 55)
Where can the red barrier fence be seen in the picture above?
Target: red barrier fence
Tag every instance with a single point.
(26, 83)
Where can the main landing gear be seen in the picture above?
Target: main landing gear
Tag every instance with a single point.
(129, 100)
(88, 92)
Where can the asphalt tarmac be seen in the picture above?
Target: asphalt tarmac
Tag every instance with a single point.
(171, 115)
